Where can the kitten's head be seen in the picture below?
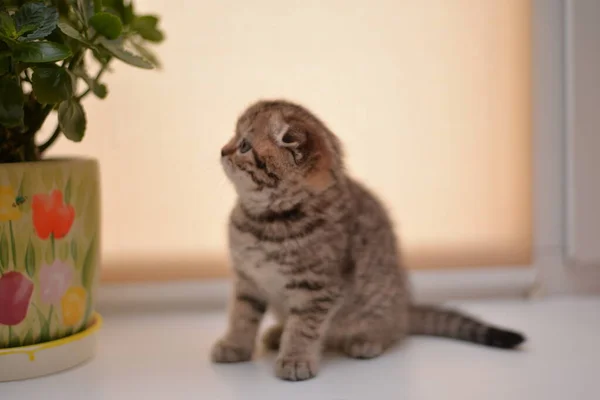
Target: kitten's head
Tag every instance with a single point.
(280, 142)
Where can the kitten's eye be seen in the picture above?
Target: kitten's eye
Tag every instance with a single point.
(245, 146)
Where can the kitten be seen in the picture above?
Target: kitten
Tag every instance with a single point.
(318, 249)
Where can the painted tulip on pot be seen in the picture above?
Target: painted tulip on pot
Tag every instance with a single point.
(50, 208)
(54, 280)
(52, 218)
(15, 294)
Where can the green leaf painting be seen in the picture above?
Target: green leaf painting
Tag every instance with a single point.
(87, 273)
(74, 251)
(30, 259)
(28, 338)
(3, 252)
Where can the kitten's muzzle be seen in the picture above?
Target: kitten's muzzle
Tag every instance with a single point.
(227, 151)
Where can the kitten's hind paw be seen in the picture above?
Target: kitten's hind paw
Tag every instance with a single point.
(362, 349)
(225, 352)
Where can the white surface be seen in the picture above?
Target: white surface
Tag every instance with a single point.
(583, 122)
(163, 355)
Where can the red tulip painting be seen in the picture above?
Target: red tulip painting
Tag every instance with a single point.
(51, 216)
(15, 294)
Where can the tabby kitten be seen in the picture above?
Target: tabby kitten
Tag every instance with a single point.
(317, 249)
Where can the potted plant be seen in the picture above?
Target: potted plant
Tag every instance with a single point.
(53, 54)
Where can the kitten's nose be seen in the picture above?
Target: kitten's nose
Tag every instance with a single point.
(227, 150)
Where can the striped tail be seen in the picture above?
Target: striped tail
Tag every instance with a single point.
(433, 321)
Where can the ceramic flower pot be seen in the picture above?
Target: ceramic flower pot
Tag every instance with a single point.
(49, 257)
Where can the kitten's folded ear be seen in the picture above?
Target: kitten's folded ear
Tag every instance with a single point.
(287, 136)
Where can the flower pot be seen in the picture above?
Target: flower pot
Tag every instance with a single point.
(49, 249)
(46, 358)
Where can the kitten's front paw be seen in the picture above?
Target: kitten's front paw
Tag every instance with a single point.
(296, 368)
(226, 352)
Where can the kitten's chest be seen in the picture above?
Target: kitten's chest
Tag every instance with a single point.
(255, 263)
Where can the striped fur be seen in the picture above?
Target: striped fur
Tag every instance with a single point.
(317, 249)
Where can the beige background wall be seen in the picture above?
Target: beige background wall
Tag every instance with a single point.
(431, 98)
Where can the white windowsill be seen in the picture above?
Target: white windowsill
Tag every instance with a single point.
(163, 354)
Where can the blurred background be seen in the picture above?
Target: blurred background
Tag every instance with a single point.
(432, 100)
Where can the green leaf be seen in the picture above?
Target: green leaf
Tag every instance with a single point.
(11, 102)
(85, 8)
(146, 27)
(116, 4)
(25, 29)
(89, 262)
(71, 32)
(30, 259)
(3, 252)
(97, 6)
(37, 14)
(128, 14)
(120, 9)
(147, 54)
(52, 85)
(107, 25)
(40, 52)
(74, 251)
(28, 339)
(127, 57)
(71, 119)
(4, 62)
(7, 26)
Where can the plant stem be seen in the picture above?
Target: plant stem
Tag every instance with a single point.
(82, 95)
(52, 243)
(9, 336)
(96, 79)
(50, 140)
(104, 68)
(12, 245)
(75, 60)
